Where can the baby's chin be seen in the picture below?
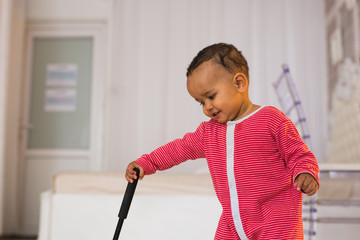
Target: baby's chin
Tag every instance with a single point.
(220, 120)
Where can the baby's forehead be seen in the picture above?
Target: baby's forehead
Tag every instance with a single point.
(210, 68)
(209, 74)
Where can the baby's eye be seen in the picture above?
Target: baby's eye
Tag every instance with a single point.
(212, 97)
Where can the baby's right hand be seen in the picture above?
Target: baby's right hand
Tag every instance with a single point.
(130, 174)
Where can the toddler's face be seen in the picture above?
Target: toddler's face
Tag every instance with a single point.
(215, 89)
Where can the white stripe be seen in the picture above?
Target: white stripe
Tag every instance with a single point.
(231, 180)
(246, 117)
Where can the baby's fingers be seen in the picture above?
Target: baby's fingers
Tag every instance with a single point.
(312, 192)
(306, 183)
(130, 177)
(311, 189)
(131, 173)
(299, 182)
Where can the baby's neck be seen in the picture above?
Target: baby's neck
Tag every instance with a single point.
(246, 109)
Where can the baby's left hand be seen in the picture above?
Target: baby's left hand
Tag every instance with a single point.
(306, 183)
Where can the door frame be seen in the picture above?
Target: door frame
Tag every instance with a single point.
(97, 32)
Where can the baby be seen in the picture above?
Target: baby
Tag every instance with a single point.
(258, 163)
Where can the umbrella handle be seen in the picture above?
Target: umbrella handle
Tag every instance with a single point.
(125, 205)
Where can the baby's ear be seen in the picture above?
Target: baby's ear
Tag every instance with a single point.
(241, 81)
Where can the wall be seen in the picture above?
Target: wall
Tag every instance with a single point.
(343, 45)
(154, 41)
(68, 10)
(5, 9)
(147, 71)
(19, 14)
(12, 41)
(150, 44)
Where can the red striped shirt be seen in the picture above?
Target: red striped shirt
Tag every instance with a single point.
(267, 154)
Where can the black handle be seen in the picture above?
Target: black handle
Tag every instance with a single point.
(125, 205)
(129, 193)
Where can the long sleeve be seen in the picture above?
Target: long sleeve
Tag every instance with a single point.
(175, 152)
(294, 151)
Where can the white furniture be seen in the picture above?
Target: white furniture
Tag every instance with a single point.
(85, 206)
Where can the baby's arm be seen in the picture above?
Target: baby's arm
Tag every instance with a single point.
(306, 183)
(169, 155)
(131, 174)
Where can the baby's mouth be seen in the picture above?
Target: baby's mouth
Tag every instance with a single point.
(215, 114)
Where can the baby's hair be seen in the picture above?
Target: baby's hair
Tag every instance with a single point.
(223, 54)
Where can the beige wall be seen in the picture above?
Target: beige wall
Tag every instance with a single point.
(14, 17)
(10, 70)
(68, 10)
(343, 46)
(146, 103)
(5, 6)
(154, 43)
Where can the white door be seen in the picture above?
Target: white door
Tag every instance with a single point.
(63, 109)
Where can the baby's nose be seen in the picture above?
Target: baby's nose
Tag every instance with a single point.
(208, 106)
